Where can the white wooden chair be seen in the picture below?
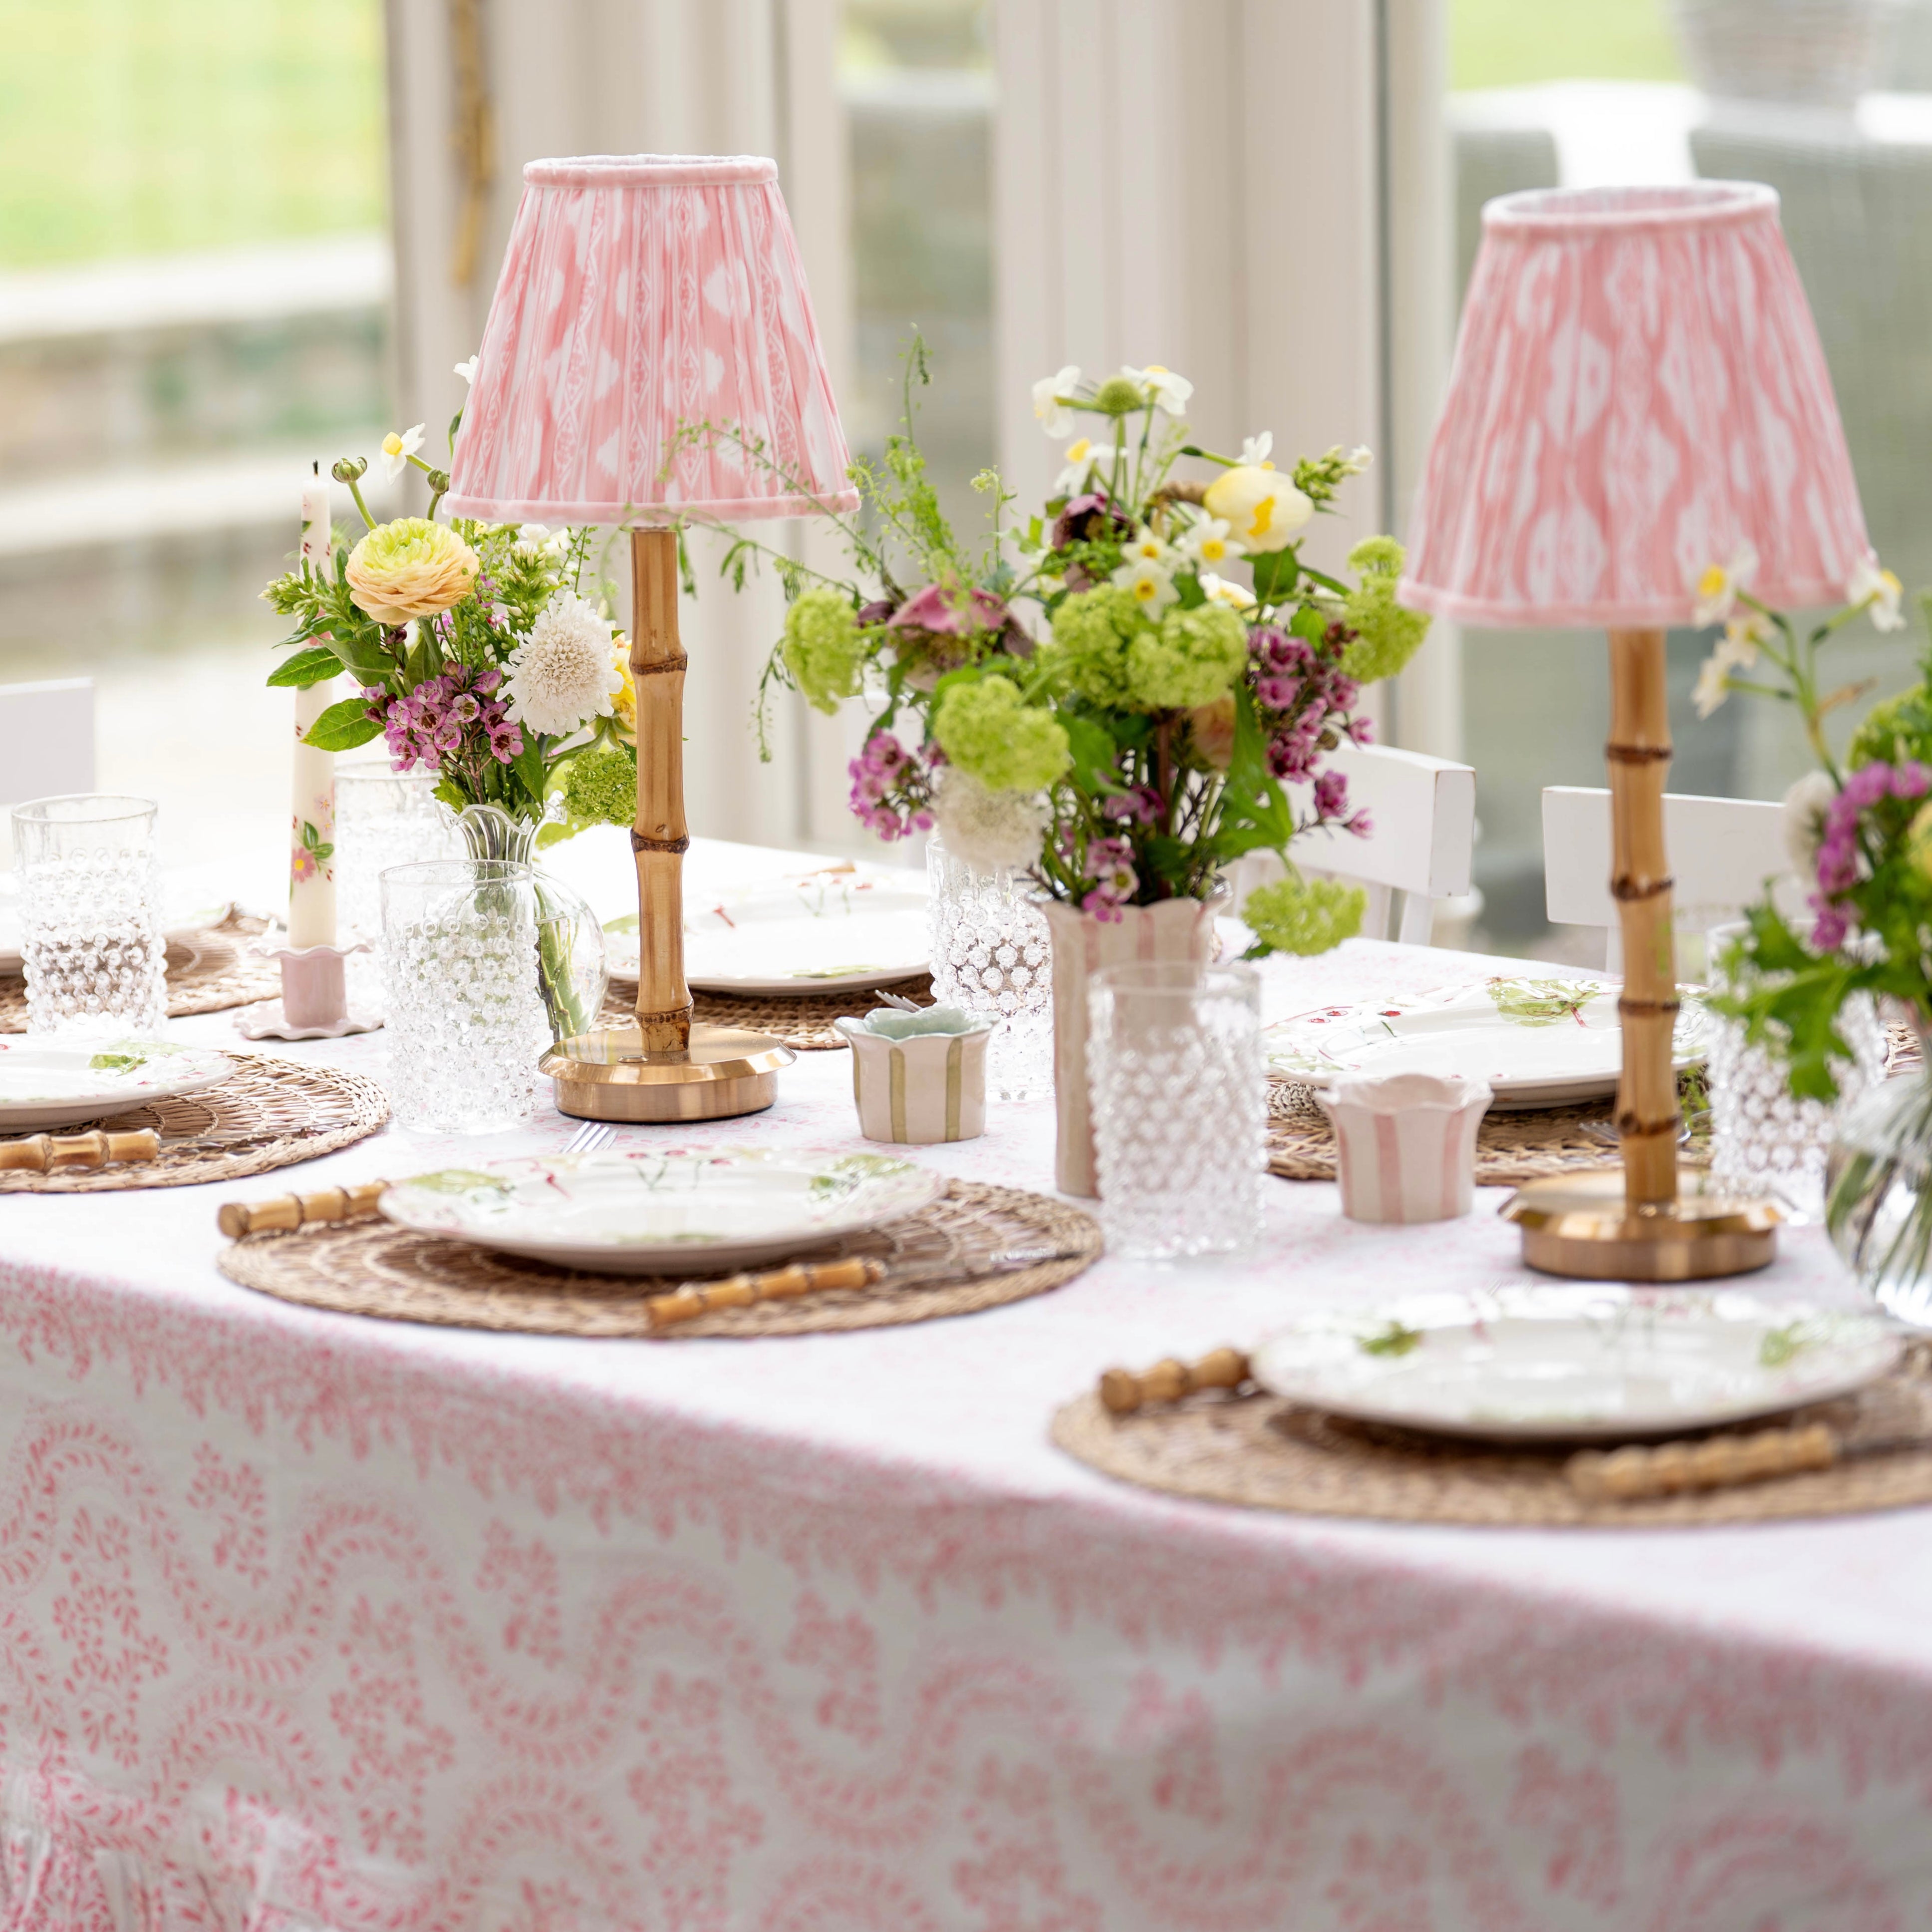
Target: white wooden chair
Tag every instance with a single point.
(1721, 850)
(1422, 810)
(47, 738)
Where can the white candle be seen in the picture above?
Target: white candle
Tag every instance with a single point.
(312, 822)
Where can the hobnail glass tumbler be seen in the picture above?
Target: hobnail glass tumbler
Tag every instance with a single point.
(1180, 1095)
(383, 817)
(1763, 1139)
(466, 1024)
(91, 942)
(992, 957)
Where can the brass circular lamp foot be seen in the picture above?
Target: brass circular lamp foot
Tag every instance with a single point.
(1581, 1225)
(607, 1075)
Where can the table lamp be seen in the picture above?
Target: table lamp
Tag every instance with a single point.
(1638, 394)
(643, 295)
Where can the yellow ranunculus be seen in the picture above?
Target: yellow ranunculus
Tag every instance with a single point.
(411, 568)
(1261, 508)
(624, 702)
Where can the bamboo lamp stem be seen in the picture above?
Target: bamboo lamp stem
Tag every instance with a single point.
(1639, 754)
(659, 839)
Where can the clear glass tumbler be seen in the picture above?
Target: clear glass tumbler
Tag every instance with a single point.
(383, 817)
(466, 1022)
(1763, 1139)
(992, 957)
(1180, 1095)
(91, 942)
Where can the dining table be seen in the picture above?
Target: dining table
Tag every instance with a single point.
(310, 1622)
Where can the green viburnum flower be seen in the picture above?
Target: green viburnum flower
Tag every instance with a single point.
(822, 648)
(990, 732)
(1091, 632)
(1304, 916)
(1194, 659)
(1894, 729)
(1389, 636)
(600, 787)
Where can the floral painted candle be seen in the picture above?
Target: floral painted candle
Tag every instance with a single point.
(312, 821)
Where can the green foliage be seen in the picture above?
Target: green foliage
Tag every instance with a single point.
(343, 727)
(314, 664)
(1387, 635)
(1303, 915)
(986, 728)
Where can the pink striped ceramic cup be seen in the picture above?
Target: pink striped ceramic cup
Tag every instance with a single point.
(1405, 1146)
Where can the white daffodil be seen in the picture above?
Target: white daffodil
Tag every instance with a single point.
(1219, 590)
(1878, 591)
(1144, 546)
(1717, 589)
(1262, 507)
(1255, 450)
(1208, 542)
(1055, 418)
(1713, 685)
(467, 371)
(1083, 457)
(1165, 390)
(397, 450)
(1150, 586)
(1735, 650)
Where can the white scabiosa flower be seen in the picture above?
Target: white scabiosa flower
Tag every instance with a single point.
(1805, 806)
(987, 828)
(561, 675)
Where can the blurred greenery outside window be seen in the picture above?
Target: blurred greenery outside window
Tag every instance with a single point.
(916, 77)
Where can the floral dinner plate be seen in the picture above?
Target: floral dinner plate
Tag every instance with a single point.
(658, 1210)
(833, 931)
(1538, 1042)
(1575, 1363)
(52, 1084)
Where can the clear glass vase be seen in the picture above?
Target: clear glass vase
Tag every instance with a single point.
(1762, 1138)
(572, 993)
(1878, 1194)
(992, 957)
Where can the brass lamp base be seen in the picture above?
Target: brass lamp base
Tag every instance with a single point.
(1581, 1225)
(607, 1075)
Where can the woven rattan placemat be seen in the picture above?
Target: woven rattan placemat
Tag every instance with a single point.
(803, 1024)
(370, 1267)
(214, 970)
(272, 1114)
(1263, 1452)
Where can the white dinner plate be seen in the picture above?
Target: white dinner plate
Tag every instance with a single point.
(657, 1210)
(52, 1084)
(1538, 1042)
(824, 932)
(183, 923)
(1575, 1363)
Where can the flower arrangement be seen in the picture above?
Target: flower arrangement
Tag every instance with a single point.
(480, 659)
(1138, 729)
(1859, 830)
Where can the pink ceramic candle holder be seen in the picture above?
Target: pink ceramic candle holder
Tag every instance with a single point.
(1406, 1145)
(314, 1004)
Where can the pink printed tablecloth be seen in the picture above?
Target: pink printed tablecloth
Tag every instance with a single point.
(310, 1622)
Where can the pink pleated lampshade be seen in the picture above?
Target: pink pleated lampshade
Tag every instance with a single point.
(640, 293)
(1638, 393)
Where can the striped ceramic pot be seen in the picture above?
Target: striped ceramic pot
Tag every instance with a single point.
(1082, 944)
(930, 1087)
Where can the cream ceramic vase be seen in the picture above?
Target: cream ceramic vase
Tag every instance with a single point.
(1174, 929)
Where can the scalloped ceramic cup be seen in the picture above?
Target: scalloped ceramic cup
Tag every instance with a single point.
(928, 1087)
